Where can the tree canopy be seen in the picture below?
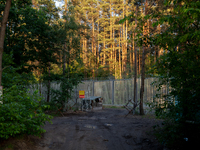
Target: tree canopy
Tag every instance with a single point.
(45, 43)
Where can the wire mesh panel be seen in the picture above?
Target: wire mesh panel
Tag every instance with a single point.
(114, 92)
(129, 83)
(121, 92)
(148, 92)
(41, 88)
(151, 89)
(104, 89)
(130, 88)
(86, 86)
(138, 88)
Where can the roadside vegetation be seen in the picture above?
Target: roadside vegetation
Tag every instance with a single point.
(43, 43)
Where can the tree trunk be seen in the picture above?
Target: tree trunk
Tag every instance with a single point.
(142, 83)
(48, 86)
(135, 77)
(98, 36)
(114, 56)
(104, 47)
(111, 56)
(139, 63)
(2, 33)
(98, 48)
(143, 65)
(93, 49)
(120, 66)
(123, 45)
(64, 59)
(86, 52)
(126, 44)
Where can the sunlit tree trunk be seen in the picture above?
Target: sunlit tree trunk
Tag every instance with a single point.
(114, 52)
(126, 44)
(98, 43)
(104, 47)
(93, 48)
(123, 44)
(120, 65)
(111, 45)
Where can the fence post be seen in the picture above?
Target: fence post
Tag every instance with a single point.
(93, 88)
(113, 90)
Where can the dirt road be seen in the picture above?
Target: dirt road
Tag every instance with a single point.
(105, 129)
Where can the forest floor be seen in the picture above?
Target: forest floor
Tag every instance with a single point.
(106, 129)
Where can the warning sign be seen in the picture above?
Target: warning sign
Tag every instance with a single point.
(81, 94)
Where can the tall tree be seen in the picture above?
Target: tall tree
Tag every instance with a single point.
(144, 47)
(180, 67)
(2, 33)
(135, 54)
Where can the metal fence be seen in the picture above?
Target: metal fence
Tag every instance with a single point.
(114, 92)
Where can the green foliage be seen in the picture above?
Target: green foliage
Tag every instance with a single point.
(179, 67)
(69, 47)
(61, 96)
(10, 75)
(29, 38)
(21, 113)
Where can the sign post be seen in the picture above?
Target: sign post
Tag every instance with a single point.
(81, 94)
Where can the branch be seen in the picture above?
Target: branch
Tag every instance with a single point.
(5, 67)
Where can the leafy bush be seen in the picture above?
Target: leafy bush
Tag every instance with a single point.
(180, 64)
(12, 75)
(61, 96)
(21, 113)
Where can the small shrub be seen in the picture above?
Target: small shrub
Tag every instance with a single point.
(60, 97)
(21, 113)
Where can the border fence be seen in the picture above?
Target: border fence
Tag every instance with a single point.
(114, 92)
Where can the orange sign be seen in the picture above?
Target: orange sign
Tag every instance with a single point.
(81, 94)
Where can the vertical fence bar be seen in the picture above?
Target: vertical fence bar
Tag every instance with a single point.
(113, 89)
(93, 88)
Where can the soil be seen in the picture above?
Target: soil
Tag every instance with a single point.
(106, 129)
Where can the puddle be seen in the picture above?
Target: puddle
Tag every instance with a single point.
(93, 118)
(83, 118)
(87, 118)
(108, 124)
(90, 126)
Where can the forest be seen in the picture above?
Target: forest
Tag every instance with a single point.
(68, 41)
